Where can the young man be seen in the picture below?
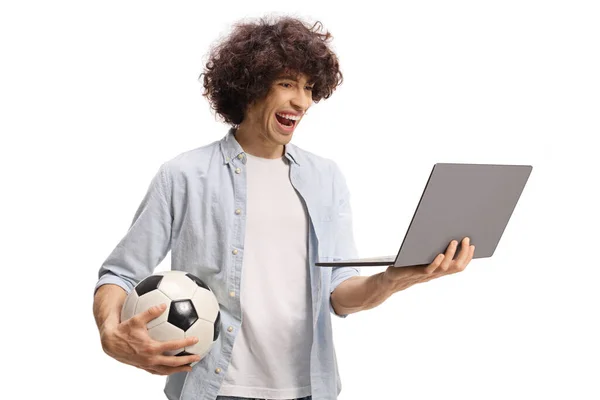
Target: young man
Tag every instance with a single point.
(250, 215)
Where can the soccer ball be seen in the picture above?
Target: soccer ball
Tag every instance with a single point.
(192, 310)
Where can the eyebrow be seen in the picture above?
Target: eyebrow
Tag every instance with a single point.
(292, 78)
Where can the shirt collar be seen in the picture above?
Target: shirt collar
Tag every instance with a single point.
(230, 149)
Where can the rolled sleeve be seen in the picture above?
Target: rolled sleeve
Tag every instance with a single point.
(147, 241)
(339, 275)
(110, 278)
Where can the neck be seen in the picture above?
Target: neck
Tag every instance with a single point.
(256, 144)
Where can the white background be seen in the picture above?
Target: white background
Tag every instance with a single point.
(94, 96)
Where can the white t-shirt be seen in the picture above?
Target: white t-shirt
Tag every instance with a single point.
(271, 353)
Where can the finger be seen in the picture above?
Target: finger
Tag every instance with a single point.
(146, 368)
(175, 361)
(173, 345)
(150, 314)
(463, 255)
(431, 268)
(449, 255)
(162, 370)
(471, 253)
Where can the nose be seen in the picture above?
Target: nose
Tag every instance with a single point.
(301, 100)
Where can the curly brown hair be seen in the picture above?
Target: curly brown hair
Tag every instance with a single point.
(241, 68)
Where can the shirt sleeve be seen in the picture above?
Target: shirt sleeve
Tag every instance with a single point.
(146, 242)
(345, 245)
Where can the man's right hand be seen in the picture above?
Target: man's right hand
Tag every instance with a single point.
(130, 343)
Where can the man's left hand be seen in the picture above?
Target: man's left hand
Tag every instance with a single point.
(443, 264)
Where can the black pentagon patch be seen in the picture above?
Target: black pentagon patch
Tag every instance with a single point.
(182, 314)
(198, 281)
(149, 284)
(183, 353)
(217, 326)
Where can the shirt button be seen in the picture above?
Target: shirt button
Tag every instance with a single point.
(237, 170)
(232, 294)
(218, 370)
(234, 251)
(240, 156)
(230, 329)
(238, 211)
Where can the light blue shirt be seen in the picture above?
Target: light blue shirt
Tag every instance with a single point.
(195, 207)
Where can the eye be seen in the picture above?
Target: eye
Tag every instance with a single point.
(310, 88)
(285, 83)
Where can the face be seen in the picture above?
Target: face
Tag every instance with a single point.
(273, 119)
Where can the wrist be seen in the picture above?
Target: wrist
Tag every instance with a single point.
(388, 283)
(400, 278)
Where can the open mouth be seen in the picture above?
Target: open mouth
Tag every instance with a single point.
(286, 121)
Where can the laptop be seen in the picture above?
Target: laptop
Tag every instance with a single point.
(459, 200)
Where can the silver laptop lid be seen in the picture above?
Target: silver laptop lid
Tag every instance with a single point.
(474, 200)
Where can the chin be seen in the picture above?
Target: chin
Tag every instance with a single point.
(281, 137)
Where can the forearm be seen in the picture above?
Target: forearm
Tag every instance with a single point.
(361, 293)
(108, 302)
